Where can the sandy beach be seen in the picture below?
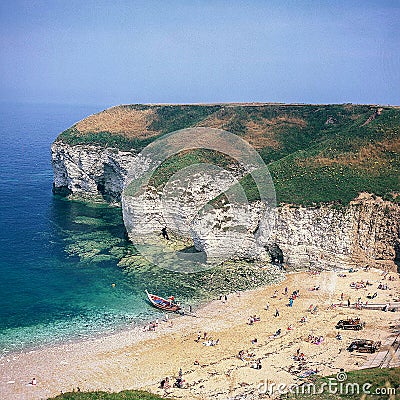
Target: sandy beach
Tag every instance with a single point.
(138, 359)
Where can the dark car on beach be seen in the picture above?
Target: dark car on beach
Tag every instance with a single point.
(364, 346)
(355, 324)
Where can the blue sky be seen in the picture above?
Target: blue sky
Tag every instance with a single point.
(117, 52)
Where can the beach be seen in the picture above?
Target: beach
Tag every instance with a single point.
(139, 359)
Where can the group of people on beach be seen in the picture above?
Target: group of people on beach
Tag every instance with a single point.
(256, 364)
(299, 356)
(254, 318)
(385, 274)
(293, 297)
(245, 355)
(315, 339)
(383, 286)
(207, 341)
(211, 342)
(360, 285)
(179, 382)
(313, 309)
(201, 335)
(151, 326)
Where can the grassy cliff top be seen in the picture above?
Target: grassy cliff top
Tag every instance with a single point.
(315, 153)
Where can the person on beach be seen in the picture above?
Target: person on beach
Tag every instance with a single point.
(165, 383)
(290, 302)
(277, 333)
(33, 382)
(179, 383)
(198, 337)
(348, 302)
(276, 312)
(315, 310)
(266, 307)
(180, 373)
(286, 291)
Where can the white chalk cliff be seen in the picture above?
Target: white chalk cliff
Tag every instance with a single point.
(365, 232)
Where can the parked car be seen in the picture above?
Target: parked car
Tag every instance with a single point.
(364, 346)
(355, 324)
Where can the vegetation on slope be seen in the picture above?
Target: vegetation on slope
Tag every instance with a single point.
(315, 153)
(384, 384)
(124, 395)
(338, 168)
(133, 127)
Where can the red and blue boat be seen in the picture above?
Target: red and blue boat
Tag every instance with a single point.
(163, 304)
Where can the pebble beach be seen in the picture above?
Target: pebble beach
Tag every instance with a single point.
(137, 358)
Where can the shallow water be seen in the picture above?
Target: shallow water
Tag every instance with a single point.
(47, 292)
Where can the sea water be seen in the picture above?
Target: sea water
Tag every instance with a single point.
(48, 292)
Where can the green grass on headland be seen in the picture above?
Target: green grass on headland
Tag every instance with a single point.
(124, 395)
(315, 153)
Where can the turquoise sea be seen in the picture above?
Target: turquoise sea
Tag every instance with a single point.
(47, 293)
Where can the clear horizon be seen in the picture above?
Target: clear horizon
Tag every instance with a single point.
(103, 54)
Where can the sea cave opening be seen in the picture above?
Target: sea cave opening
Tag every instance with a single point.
(275, 253)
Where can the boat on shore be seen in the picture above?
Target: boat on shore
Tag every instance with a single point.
(163, 304)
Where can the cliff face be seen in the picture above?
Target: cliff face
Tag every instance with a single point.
(365, 232)
(90, 170)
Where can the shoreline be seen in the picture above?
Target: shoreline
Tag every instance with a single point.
(82, 334)
(126, 359)
(136, 323)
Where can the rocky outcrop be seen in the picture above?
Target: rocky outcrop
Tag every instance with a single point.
(90, 170)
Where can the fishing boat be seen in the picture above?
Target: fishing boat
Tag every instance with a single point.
(163, 304)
